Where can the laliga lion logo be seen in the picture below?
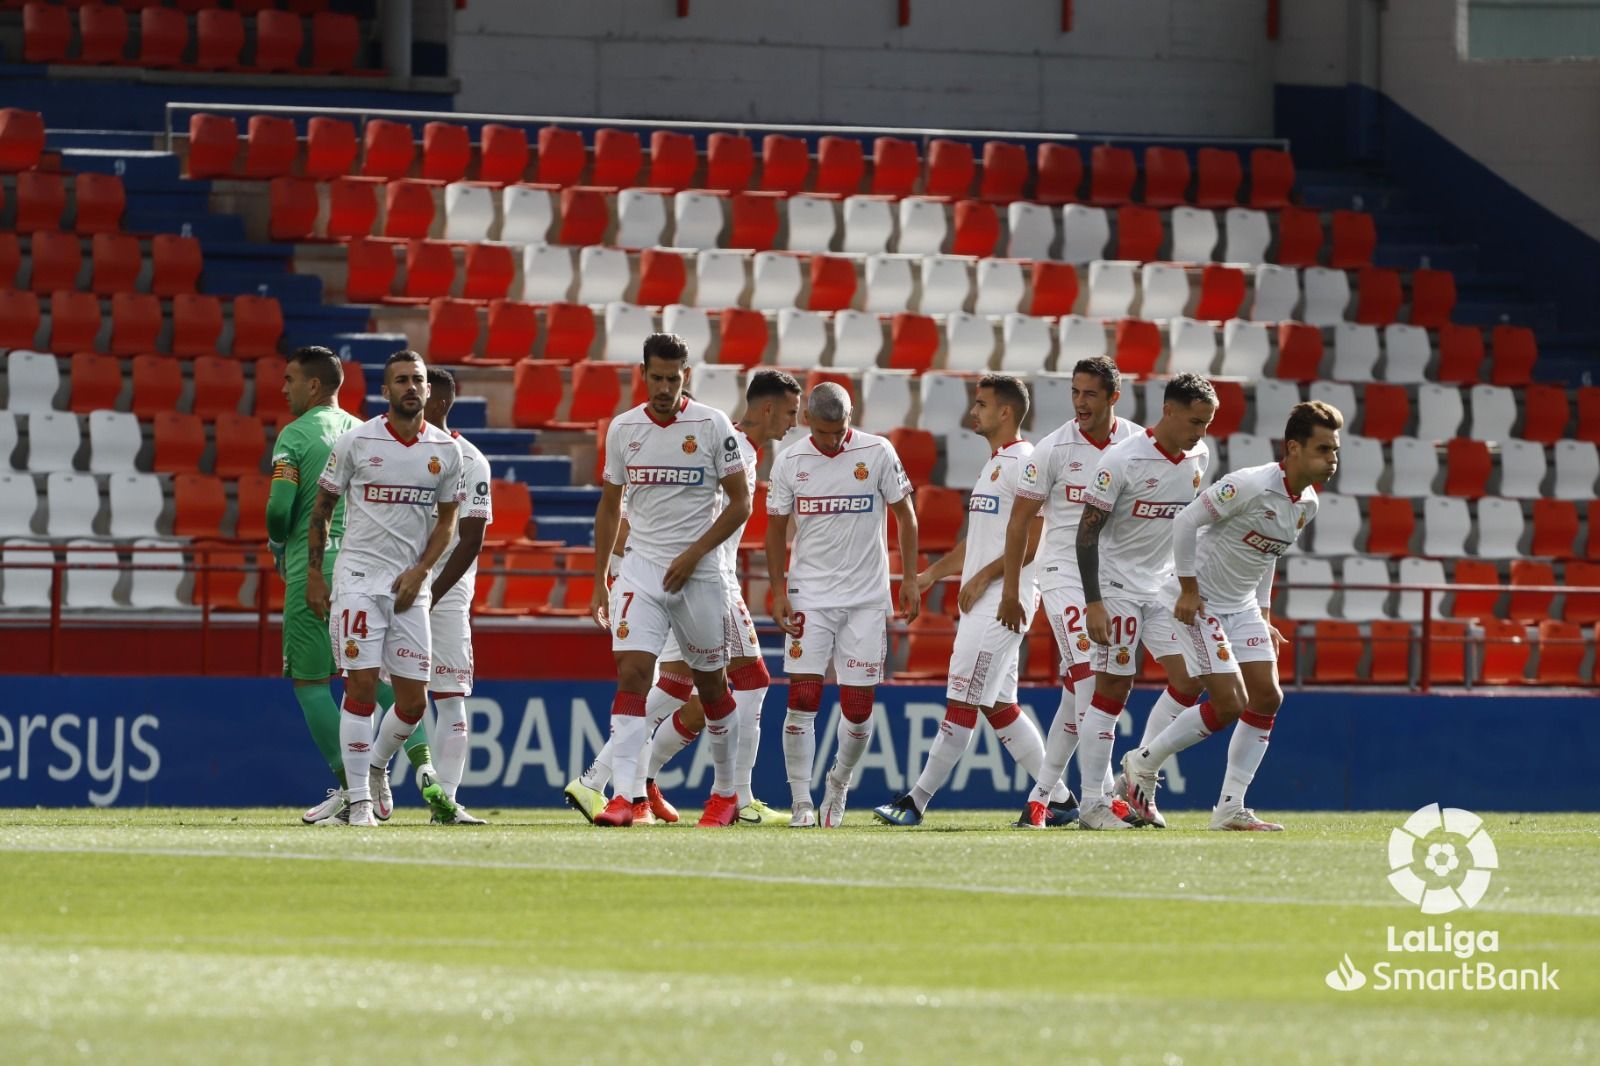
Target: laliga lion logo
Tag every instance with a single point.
(689, 445)
(861, 472)
(1442, 860)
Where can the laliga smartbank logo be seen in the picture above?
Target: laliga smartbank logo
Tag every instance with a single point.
(1442, 861)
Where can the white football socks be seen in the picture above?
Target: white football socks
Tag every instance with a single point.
(1097, 733)
(1166, 710)
(1058, 748)
(391, 737)
(355, 745)
(1246, 748)
(1190, 728)
(749, 703)
(450, 741)
(955, 737)
(800, 753)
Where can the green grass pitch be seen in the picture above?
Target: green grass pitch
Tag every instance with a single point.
(239, 936)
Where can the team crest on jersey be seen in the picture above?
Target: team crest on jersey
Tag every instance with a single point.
(689, 446)
(794, 650)
(434, 465)
(861, 472)
(1083, 642)
(994, 475)
(1226, 492)
(1222, 652)
(1123, 658)
(1102, 480)
(351, 649)
(1300, 523)
(622, 631)
(1197, 479)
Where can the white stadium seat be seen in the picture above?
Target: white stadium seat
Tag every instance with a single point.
(944, 401)
(1052, 402)
(697, 220)
(868, 224)
(1523, 468)
(90, 588)
(1445, 527)
(114, 441)
(1194, 235)
(468, 211)
(1001, 286)
(25, 587)
(8, 439)
(946, 285)
(802, 338)
(72, 502)
(1364, 605)
(1085, 232)
(1309, 604)
(1247, 449)
(1406, 354)
(965, 456)
(887, 398)
(1027, 344)
(857, 340)
(603, 275)
(527, 214)
(1246, 349)
(1414, 466)
(812, 223)
(1500, 527)
(1337, 526)
(136, 504)
(1033, 230)
(1577, 467)
(1355, 352)
(627, 326)
(969, 342)
(156, 590)
(1273, 402)
(1439, 411)
(692, 324)
(32, 379)
(547, 273)
(1327, 295)
(1081, 338)
(19, 499)
(1163, 291)
(1191, 346)
(1247, 235)
(1360, 466)
(1276, 293)
(1415, 570)
(719, 387)
(1494, 412)
(641, 218)
(890, 283)
(923, 226)
(720, 277)
(1111, 288)
(53, 440)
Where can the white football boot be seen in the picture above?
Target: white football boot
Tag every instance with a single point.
(382, 794)
(328, 808)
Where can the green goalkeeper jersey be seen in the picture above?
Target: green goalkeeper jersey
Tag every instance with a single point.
(298, 458)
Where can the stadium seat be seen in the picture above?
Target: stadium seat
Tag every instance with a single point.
(641, 218)
(603, 275)
(240, 443)
(513, 329)
(946, 285)
(353, 209)
(1276, 294)
(950, 169)
(1494, 412)
(176, 263)
(1080, 338)
(1355, 237)
(627, 326)
(1246, 236)
(1417, 571)
(135, 322)
(1513, 354)
(969, 342)
(730, 162)
(720, 278)
(32, 379)
(833, 283)
(1327, 295)
(1338, 522)
(1390, 663)
(1446, 653)
(1414, 465)
(1139, 233)
(945, 401)
(1026, 344)
(1271, 177)
(1001, 287)
(1439, 411)
(196, 324)
(1433, 297)
(1355, 352)
(562, 156)
(1299, 352)
(251, 491)
(21, 139)
(331, 148)
(1562, 650)
(1406, 353)
(1300, 238)
(19, 500)
(1545, 413)
(930, 641)
(1247, 449)
(335, 42)
(662, 277)
(10, 255)
(1582, 608)
(468, 211)
(213, 143)
(1166, 176)
(965, 455)
(802, 338)
(1361, 465)
(1138, 346)
(785, 163)
(41, 201)
(1391, 523)
(1245, 349)
(1445, 527)
(1085, 233)
(1112, 172)
(199, 506)
(776, 281)
(697, 219)
(370, 268)
(1005, 172)
(155, 589)
(19, 319)
(408, 209)
(1194, 235)
(1111, 288)
(1231, 408)
(270, 404)
(913, 342)
(940, 513)
(868, 224)
(1529, 607)
(532, 589)
(673, 160)
(977, 229)
(180, 442)
(95, 382)
(136, 504)
(293, 209)
(585, 216)
(569, 332)
(1054, 289)
(452, 331)
(896, 167)
(502, 154)
(218, 386)
(29, 587)
(1222, 290)
(618, 158)
(1310, 588)
(279, 38)
(1577, 468)
(1378, 296)
(1467, 468)
(857, 340)
(57, 261)
(548, 273)
(1032, 231)
(1555, 528)
(536, 393)
(488, 272)
(74, 321)
(1505, 652)
(886, 396)
(889, 283)
(1164, 291)
(1060, 173)
(1364, 605)
(1218, 177)
(596, 392)
(257, 326)
(924, 225)
(157, 385)
(102, 34)
(1460, 354)
(101, 200)
(754, 221)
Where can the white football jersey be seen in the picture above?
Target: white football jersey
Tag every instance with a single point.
(840, 507)
(476, 502)
(1144, 488)
(1058, 473)
(729, 552)
(988, 514)
(1251, 519)
(671, 472)
(391, 489)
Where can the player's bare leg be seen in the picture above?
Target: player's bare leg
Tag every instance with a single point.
(1247, 747)
(1142, 766)
(800, 745)
(722, 806)
(634, 671)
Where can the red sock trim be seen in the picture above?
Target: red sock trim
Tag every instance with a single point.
(750, 677)
(1000, 717)
(1106, 705)
(719, 709)
(958, 714)
(683, 731)
(445, 695)
(1208, 715)
(398, 713)
(1262, 722)
(1078, 671)
(628, 705)
(360, 710)
(1187, 701)
(856, 702)
(676, 685)
(805, 696)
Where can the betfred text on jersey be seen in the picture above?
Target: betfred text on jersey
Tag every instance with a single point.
(984, 504)
(833, 504)
(1155, 509)
(1265, 544)
(409, 495)
(666, 475)
(1074, 493)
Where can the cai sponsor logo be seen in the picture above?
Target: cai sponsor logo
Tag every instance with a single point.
(1156, 509)
(403, 495)
(983, 503)
(666, 475)
(1264, 544)
(833, 504)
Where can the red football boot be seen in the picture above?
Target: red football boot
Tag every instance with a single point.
(618, 813)
(641, 813)
(659, 806)
(720, 811)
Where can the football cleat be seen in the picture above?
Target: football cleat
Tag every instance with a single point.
(664, 811)
(1242, 819)
(327, 809)
(902, 811)
(642, 815)
(382, 795)
(585, 800)
(1063, 812)
(617, 815)
(361, 814)
(1035, 816)
(720, 812)
(833, 800)
(1139, 789)
(438, 801)
(1103, 815)
(804, 816)
(461, 817)
(758, 813)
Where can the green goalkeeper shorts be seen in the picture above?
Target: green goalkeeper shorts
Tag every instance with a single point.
(307, 648)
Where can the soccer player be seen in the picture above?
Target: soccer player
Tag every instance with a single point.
(453, 582)
(1137, 489)
(832, 598)
(1053, 481)
(676, 717)
(1226, 546)
(671, 454)
(983, 663)
(400, 479)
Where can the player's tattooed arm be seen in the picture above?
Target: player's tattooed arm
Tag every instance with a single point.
(316, 548)
(1095, 619)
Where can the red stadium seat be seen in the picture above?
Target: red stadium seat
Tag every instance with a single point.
(270, 406)
(1391, 522)
(1561, 654)
(1467, 468)
(331, 147)
(1221, 293)
(1355, 238)
(1060, 173)
(569, 332)
(841, 164)
(1337, 653)
(1219, 176)
(21, 139)
(785, 163)
(352, 207)
(977, 229)
(1299, 237)
(1166, 176)
(19, 318)
(950, 169)
(103, 31)
(513, 330)
(430, 270)
(1378, 296)
(1513, 351)
(408, 209)
(1545, 413)
(931, 639)
(218, 386)
(74, 321)
(11, 259)
(446, 151)
(1433, 297)
(913, 342)
(1299, 351)
(1055, 289)
(1231, 407)
(513, 510)
(1386, 411)
(1529, 607)
(1271, 177)
(814, 378)
(219, 39)
(577, 566)
(1555, 528)
(1447, 653)
(163, 37)
(896, 167)
(618, 158)
(96, 382)
(585, 216)
(1589, 413)
(918, 450)
(596, 392)
(1391, 653)
(116, 261)
(562, 156)
(743, 337)
(1475, 604)
(502, 154)
(1139, 233)
(833, 283)
(353, 390)
(46, 33)
(490, 269)
(1112, 171)
(254, 488)
(1005, 172)
(452, 330)
(271, 145)
(157, 385)
(257, 326)
(279, 38)
(755, 221)
(673, 160)
(662, 277)
(335, 42)
(1460, 354)
(1584, 608)
(755, 530)
(135, 322)
(525, 592)
(535, 394)
(57, 260)
(175, 264)
(730, 162)
(41, 201)
(196, 324)
(1138, 347)
(1505, 652)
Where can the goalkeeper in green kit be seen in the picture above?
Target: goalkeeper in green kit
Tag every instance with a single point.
(311, 383)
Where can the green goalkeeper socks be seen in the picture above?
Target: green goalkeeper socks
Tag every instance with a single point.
(417, 747)
(322, 718)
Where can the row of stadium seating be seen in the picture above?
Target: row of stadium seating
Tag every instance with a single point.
(129, 323)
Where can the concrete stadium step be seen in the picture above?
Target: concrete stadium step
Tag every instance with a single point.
(541, 470)
(575, 532)
(495, 440)
(570, 501)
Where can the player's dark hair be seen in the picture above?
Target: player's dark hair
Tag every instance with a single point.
(1102, 368)
(1009, 391)
(770, 384)
(320, 364)
(438, 376)
(1304, 418)
(405, 355)
(665, 346)
(1189, 388)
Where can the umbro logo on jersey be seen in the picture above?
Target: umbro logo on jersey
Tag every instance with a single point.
(1154, 509)
(1151, 482)
(982, 503)
(412, 495)
(666, 475)
(1264, 544)
(833, 504)
(376, 460)
(1074, 466)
